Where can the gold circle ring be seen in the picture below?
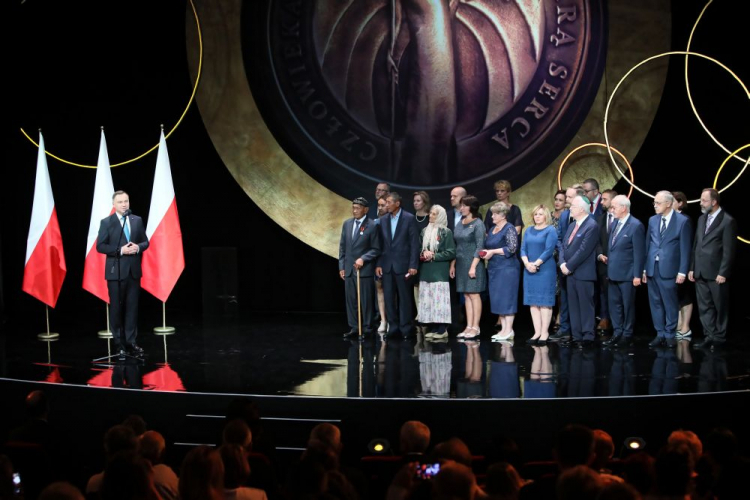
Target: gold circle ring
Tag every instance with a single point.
(716, 179)
(184, 112)
(589, 144)
(649, 59)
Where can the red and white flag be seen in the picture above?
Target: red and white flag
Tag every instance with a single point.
(164, 261)
(93, 268)
(45, 269)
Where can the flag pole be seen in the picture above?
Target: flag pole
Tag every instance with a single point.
(164, 330)
(106, 334)
(48, 335)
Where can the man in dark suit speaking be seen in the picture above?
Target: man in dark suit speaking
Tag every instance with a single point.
(359, 247)
(122, 238)
(711, 264)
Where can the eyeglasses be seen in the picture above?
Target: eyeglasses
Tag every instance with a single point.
(659, 203)
(588, 190)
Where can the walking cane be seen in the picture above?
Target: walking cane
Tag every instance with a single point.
(359, 308)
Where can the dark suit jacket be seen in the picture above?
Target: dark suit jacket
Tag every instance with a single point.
(673, 247)
(401, 252)
(602, 248)
(562, 228)
(628, 253)
(366, 244)
(107, 243)
(580, 255)
(713, 253)
(451, 215)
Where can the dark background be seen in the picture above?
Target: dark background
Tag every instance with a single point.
(72, 67)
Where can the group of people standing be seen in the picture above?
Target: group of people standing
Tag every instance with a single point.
(586, 254)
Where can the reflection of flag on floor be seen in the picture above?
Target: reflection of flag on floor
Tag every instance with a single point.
(102, 379)
(93, 268)
(163, 378)
(45, 268)
(164, 261)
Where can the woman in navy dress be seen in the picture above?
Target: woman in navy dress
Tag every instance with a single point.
(537, 251)
(503, 269)
(468, 267)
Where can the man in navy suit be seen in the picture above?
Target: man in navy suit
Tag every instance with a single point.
(359, 248)
(624, 260)
(668, 246)
(711, 265)
(398, 264)
(578, 264)
(122, 237)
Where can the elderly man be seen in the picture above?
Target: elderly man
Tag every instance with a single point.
(359, 247)
(578, 263)
(713, 257)
(624, 261)
(668, 245)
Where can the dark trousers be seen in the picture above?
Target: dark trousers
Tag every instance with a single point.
(602, 298)
(564, 311)
(123, 310)
(665, 306)
(621, 298)
(399, 300)
(713, 307)
(581, 308)
(367, 301)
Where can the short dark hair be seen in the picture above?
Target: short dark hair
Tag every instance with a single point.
(680, 196)
(396, 197)
(715, 196)
(593, 182)
(610, 192)
(559, 191)
(473, 204)
(117, 193)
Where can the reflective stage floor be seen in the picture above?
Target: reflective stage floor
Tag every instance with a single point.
(304, 355)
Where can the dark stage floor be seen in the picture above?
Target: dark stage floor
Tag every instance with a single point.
(303, 354)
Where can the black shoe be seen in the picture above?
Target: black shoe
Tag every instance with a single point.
(709, 343)
(586, 344)
(657, 342)
(532, 341)
(623, 342)
(392, 335)
(351, 334)
(121, 355)
(136, 350)
(612, 341)
(560, 337)
(671, 342)
(569, 343)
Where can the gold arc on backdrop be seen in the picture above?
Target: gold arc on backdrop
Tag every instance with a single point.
(184, 112)
(592, 144)
(716, 179)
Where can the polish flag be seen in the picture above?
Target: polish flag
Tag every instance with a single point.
(93, 268)
(45, 267)
(164, 261)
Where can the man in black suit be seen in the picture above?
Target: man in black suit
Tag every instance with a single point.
(606, 221)
(122, 238)
(578, 263)
(711, 265)
(454, 216)
(398, 264)
(359, 247)
(626, 254)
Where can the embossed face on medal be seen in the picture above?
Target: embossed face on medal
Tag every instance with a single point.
(425, 93)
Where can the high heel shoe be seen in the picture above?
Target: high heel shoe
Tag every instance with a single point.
(533, 340)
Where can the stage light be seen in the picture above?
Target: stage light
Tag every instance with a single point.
(634, 444)
(379, 446)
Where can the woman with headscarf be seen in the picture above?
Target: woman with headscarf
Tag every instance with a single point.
(438, 250)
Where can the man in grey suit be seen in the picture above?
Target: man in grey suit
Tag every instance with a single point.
(668, 245)
(398, 264)
(711, 265)
(578, 263)
(359, 248)
(626, 253)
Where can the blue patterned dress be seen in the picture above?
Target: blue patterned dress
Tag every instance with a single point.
(504, 271)
(539, 287)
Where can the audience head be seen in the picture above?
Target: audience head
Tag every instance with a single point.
(620, 206)
(455, 481)
(393, 202)
(541, 215)
(689, 439)
(119, 438)
(503, 481)
(559, 200)
(638, 470)
(382, 189)
(574, 446)
(327, 434)
(236, 467)
(680, 201)
(504, 449)
(202, 475)
(674, 468)
(607, 196)
(60, 491)
(710, 200)
(322, 453)
(457, 193)
(721, 445)
(37, 405)
(453, 449)
(604, 449)
(579, 483)
(136, 423)
(237, 432)
(247, 410)
(663, 202)
(591, 188)
(502, 190)
(469, 205)
(128, 476)
(151, 446)
(414, 437)
(619, 491)
(421, 201)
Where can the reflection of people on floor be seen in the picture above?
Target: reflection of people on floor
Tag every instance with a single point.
(712, 376)
(685, 357)
(127, 375)
(582, 373)
(401, 370)
(470, 386)
(664, 372)
(435, 366)
(503, 376)
(621, 374)
(361, 369)
(541, 382)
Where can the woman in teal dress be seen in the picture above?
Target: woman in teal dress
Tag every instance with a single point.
(438, 250)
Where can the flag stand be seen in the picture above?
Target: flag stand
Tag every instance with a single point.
(106, 334)
(164, 330)
(48, 335)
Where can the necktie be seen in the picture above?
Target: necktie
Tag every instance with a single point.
(591, 208)
(616, 232)
(125, 228)
(663, 225)
(609, 222)
(573, 234)
(356, 228)
(709, 220)
(394, 220)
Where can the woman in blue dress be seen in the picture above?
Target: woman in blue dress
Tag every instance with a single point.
(537, 251)
(503, 269)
